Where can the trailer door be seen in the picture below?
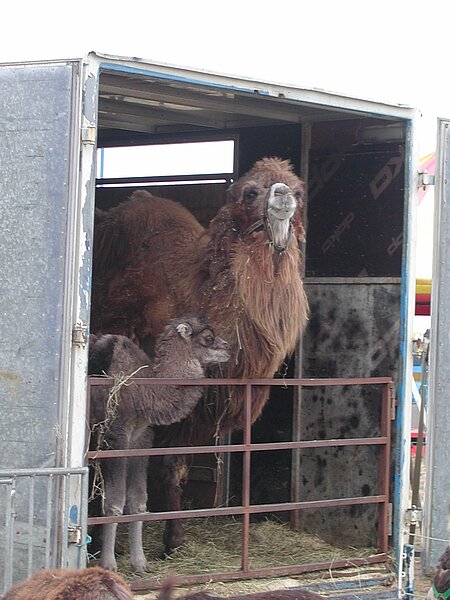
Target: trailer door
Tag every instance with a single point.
(45, 256)
(436, 526)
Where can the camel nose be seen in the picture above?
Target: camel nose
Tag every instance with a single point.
(281, 189)
(281, 200)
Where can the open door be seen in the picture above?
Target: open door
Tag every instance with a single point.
(437, 493)
(45, 259)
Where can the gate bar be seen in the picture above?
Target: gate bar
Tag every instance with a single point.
(237, 510)
(246, 510)
(236, 447)
(151, 583)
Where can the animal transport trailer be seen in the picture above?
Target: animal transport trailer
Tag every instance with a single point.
(58, 120)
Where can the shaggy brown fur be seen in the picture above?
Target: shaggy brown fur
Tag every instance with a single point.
(71, 584)
(152, 260)
(167, 594)
(441, 577)
(186, 347)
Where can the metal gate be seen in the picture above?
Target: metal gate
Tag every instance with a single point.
(246, 509)
(38, 522)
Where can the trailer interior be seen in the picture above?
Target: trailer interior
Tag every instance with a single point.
(353, 162)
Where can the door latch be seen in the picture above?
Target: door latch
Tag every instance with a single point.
(426, 179)
(413, 515)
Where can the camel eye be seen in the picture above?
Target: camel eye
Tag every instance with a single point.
(298, 195)
(250, 195)
(208, 339)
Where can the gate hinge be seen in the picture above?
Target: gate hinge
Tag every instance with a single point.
(79, 335)
(88, 134)
(425, 179)
(390, 518)
(413, 515)
(393, 400)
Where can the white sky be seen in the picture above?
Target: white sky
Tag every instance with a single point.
(393, 50)
(389, 50)
(168, 159)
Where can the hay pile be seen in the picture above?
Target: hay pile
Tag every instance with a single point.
(214, 545)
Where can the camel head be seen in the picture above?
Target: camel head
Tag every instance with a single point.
(268, 198)
(199, 342)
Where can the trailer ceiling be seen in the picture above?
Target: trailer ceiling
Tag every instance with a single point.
(134, 107)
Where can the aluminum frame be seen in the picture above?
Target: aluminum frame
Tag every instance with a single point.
(61, 485)
(436, 521)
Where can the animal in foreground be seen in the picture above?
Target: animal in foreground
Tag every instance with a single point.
(153, 260)
(440, 588)
(71, 584)
(167, 593)
(125, 417)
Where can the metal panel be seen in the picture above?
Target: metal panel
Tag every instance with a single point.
(353, 332)
(403, 417)
(28, 517)
(321, 101)
(437, 495)
(35, 117)
(45, 253)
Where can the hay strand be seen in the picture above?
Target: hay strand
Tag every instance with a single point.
(214, 545)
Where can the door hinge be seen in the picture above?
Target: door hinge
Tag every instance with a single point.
(390, 518)
(88, 134)
(79, 335)
(425, 179)
(413, 515)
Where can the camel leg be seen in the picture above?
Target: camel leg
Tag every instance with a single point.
(137, 469)
(175, 474)
(114, 474)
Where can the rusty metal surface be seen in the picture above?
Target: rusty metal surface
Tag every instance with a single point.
(247, 509)
(149, 583)
(375, 441)
(353, 330)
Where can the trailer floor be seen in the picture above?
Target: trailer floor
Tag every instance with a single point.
(345, 584)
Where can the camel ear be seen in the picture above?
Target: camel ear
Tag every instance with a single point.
(232, 191)
(185, 330)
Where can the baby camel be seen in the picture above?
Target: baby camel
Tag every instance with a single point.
(185, 348)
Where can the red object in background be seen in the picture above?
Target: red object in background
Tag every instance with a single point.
(414, 434)
(423, 304)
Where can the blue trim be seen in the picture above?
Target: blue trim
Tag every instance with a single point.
(402, 437)
(409, 572)
(102, 163)
(172, 77)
